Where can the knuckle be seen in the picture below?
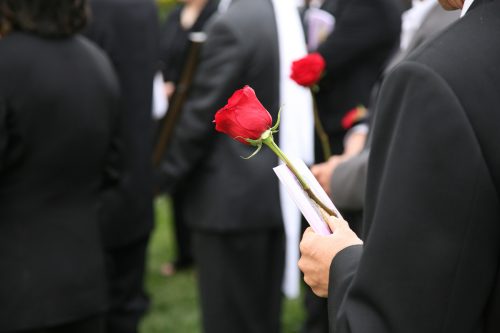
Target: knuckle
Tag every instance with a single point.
(307, 280)
(303, 246)
(300, 263)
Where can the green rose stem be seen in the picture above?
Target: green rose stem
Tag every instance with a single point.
(267, 139)
(323, 137)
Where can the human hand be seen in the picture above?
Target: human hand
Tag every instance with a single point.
(317, 252)
(324, 171)
(169, 89)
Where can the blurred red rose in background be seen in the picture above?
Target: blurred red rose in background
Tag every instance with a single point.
(354, 116)
(308, 70)
(243, 117)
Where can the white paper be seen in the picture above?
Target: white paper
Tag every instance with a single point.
(320, 24)
(306, 205)
(160, 101)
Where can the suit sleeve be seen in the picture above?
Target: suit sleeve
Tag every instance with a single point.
(217, 77)
(361, 27)
(430, 257)
(348, 182)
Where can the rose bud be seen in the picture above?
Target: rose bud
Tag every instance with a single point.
(243, 117)
(246, 120)
(308, 70)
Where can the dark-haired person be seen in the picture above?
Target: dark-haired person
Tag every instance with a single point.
(58, 95)
(431, 258)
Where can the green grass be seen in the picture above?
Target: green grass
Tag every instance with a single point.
(174, 300)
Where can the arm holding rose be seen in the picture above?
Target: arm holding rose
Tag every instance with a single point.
(428, 221)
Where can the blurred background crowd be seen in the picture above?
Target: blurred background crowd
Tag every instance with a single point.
(106, 131)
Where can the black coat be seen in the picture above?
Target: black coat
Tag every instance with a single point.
(366, 33)
(431, 258)
(225, 191)
(57, 113)
(128, 32)
(174, 40)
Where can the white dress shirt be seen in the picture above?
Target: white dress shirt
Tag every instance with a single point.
(466, 7)
(413, 19)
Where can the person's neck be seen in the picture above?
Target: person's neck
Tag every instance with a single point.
(197, 4)
(191, 11)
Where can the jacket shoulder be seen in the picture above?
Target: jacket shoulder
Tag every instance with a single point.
(466, 44)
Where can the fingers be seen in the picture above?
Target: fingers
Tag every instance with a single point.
(316, 170)
(310, 278)
(306, 237)
(308, 231)
(320, 172)
(334, 222)
(320, 292)
(311, 275)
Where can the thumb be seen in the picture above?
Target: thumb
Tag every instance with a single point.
(316, 170)
(334, 222)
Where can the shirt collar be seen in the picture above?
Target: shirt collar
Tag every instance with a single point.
(466, 7)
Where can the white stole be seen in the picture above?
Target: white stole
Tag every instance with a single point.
(296, 131)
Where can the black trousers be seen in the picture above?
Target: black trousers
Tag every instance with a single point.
(182, 232)
(94, 324)
(240, 277)
(128, 301)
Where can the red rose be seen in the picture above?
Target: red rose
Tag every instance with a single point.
(243, 117)
(307, 71)
(353, 116)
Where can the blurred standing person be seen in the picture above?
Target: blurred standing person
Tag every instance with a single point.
(185, 19)
(58, 111)
(128, 33)
(234, 204)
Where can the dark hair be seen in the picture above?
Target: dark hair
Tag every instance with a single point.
(48, 18)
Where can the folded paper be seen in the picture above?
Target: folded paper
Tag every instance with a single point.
(306, 205)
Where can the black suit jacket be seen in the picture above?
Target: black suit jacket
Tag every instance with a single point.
(226, 192)
(57, 111)
(365, 35)
(127, 30)
(432, 254)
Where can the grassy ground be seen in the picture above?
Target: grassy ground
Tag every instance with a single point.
(174, 306)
